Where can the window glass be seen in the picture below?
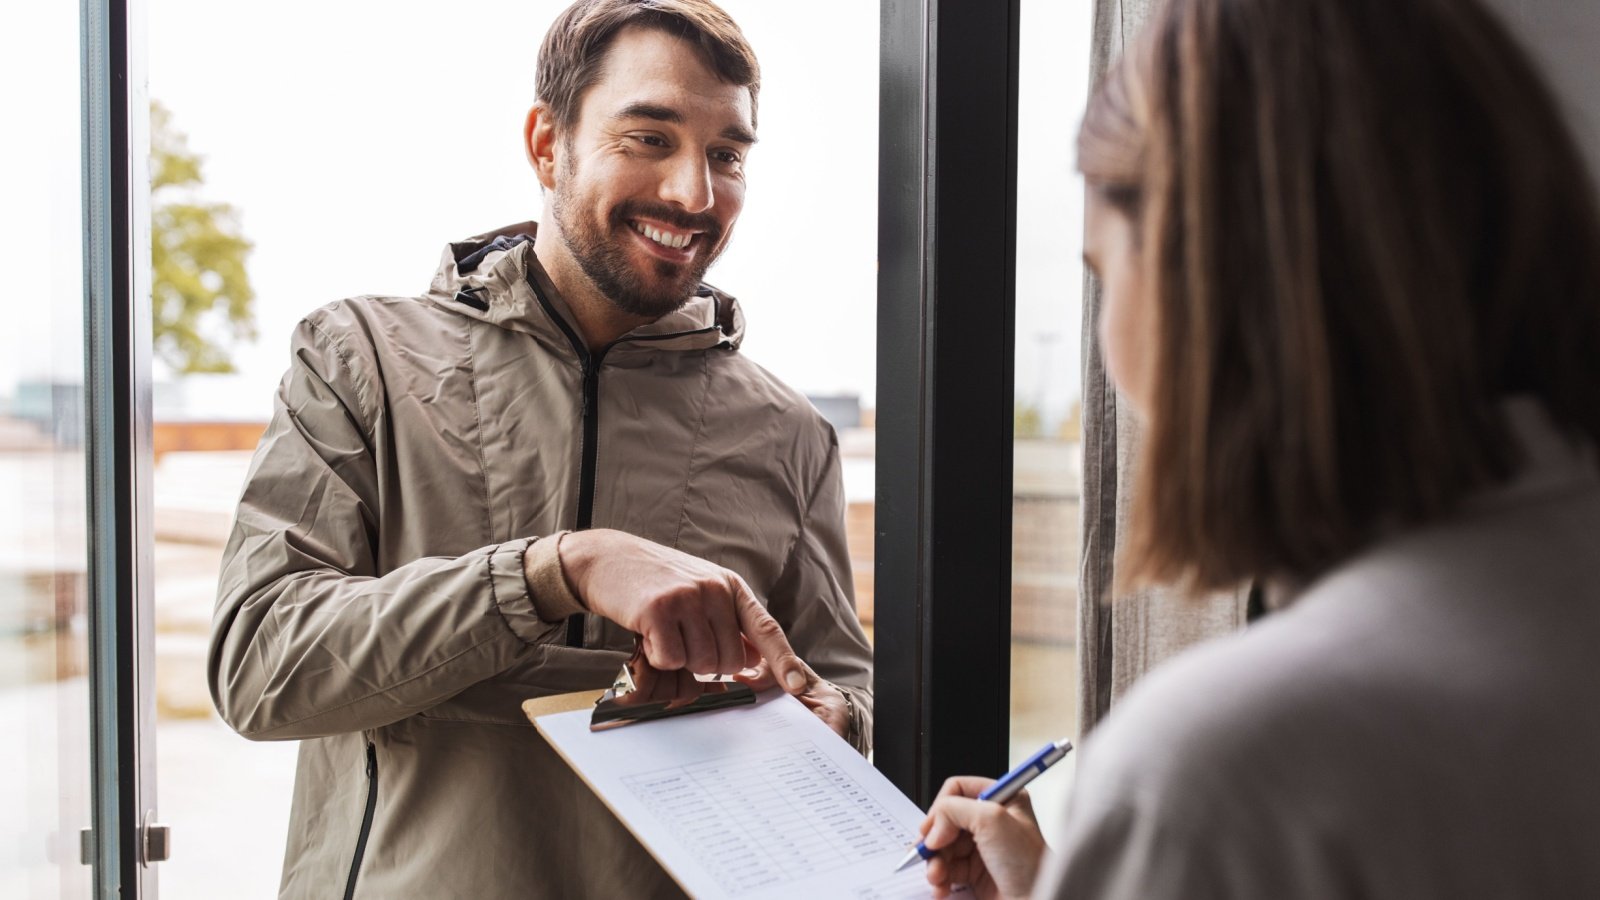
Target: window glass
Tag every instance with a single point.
(44, 693)
(1053, 86)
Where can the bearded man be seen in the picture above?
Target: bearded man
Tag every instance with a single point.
(499, 489)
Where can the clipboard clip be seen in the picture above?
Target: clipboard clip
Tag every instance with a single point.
(642, 693)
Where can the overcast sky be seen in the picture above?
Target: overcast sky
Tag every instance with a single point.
(357, 137)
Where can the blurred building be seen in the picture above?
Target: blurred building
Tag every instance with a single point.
(1045, 527)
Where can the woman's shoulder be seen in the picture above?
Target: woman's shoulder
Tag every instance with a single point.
(1202, 719)
(1428, 644)
(1189, 788)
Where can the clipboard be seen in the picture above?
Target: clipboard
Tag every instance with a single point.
(641, 693)
(760, 801)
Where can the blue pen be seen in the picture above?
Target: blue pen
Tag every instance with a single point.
(1009, 785)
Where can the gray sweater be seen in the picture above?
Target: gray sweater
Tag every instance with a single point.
(1422, 722)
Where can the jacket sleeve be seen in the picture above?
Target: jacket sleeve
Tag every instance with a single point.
(814, 598)
(309, 638)
(1126, 839)
(1121, 854)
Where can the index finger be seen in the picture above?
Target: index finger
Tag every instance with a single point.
(949, 816)
(767, 635)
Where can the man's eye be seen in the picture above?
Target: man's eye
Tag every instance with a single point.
(651, 140)
(726, 157)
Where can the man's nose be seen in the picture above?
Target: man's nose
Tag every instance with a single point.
(687, 182)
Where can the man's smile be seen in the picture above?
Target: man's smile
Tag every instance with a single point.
(667, 242)
(662, 234)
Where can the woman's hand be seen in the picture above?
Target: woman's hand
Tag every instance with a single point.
(993, 848)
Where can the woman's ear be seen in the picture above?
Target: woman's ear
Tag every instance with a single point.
(540, 142)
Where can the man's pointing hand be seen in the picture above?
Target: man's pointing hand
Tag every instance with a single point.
(689, 613)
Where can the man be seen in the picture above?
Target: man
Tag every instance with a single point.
(484, 494)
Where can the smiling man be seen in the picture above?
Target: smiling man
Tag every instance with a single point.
(504, 487)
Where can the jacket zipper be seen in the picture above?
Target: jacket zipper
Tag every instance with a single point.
(366, 820)
(591, 426)
(591, 435)
(586, 472)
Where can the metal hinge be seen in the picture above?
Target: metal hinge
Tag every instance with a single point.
(155, 840)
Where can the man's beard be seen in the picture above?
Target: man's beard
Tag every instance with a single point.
(607, 264)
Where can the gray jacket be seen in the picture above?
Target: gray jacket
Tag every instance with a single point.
(1421, 723)
(373, 604)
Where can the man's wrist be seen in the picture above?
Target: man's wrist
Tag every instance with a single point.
(576, 555)
(548, 586)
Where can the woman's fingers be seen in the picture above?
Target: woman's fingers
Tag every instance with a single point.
(988, 845)
(1022, 805)
(948, 875)
(952, 815)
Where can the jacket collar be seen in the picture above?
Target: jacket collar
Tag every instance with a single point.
(496, 278)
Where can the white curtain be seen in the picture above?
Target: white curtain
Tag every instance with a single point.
(1122, 637)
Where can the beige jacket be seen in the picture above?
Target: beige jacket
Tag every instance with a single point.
(373, 604)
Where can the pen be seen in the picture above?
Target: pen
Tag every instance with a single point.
(1009, 785)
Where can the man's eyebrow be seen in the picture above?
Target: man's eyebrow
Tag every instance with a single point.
(739, 134)
(657, 112)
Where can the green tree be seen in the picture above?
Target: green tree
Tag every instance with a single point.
(1025, 420)
(200, 294)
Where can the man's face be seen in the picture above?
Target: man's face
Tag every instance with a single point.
(650, 178)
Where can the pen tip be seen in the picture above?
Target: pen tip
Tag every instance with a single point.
(910, 858)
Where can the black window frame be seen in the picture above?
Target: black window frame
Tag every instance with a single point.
(946, 321)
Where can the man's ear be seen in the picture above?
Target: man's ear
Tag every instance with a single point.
(541, 143)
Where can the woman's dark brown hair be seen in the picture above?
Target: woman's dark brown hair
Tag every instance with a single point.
(574, 49)
(1365, 225)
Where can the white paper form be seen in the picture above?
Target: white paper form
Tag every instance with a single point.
(760, 801)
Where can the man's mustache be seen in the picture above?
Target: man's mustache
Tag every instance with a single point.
(667, 215)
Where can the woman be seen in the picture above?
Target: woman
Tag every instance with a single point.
(1351, 261)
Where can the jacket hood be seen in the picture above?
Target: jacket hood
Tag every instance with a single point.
(495, 277)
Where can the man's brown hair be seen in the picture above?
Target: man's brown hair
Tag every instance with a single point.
(573, 54)
(1365, 225)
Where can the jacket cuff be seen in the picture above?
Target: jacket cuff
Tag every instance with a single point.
(553, 598)
(859, 734)
(512, 597)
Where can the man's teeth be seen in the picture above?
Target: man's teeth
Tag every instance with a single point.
(664, 238)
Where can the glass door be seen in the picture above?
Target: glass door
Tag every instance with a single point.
(1053, 75)
(125, 839)
(77, 806)
(45, 712)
